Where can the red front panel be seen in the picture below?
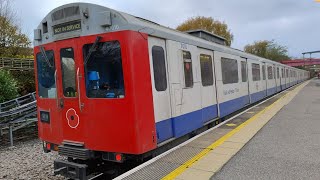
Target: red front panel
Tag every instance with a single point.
(123, 125)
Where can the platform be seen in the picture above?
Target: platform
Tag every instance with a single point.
(203, 156)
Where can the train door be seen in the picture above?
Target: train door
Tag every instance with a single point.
(68, 91)
(160, 88)
(245, 81)
(209, 103)
(185, 84)
(264, 78)
(278, 78)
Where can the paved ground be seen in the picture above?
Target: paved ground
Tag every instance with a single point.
(288, 147)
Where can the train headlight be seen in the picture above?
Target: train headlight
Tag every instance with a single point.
(45, 116)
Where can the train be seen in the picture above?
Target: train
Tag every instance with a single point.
(114, 88)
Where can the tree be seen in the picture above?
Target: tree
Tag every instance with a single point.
(8, 86)
(208, 24)
(13, 43)
(268, 49)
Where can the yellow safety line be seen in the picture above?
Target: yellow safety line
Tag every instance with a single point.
(217, 143)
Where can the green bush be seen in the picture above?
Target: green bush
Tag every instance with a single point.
(25, 81)
(8, 86)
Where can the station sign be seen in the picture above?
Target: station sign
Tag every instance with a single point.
(67, 27)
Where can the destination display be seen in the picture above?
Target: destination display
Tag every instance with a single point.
(67, 27)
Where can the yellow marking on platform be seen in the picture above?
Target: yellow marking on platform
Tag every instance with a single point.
(219, 142)
(231, 125)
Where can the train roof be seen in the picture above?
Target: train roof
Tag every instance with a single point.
(96, 19)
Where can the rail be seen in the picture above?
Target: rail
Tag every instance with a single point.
(16, 114)
(16, 64)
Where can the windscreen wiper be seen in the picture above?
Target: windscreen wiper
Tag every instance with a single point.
(92, 49)
(44, 54)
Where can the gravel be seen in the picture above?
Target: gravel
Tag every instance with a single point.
(26, 160)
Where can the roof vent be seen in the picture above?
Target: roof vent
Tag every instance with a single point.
(207, 36)
(65, 13)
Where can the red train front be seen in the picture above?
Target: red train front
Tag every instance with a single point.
(94, 99)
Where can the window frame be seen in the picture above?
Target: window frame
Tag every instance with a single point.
(222, 70)
(209, 77)
(165, 69)
(75, 77)
(184, 61)
(253, 66)
(245, 71)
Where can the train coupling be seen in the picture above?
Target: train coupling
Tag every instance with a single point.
(70, 170)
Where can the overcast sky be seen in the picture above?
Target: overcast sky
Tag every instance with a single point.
(293, 23)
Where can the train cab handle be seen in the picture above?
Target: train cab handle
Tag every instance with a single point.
(81, 105)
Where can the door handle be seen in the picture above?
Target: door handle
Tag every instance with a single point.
(56, 80)
(81, 105)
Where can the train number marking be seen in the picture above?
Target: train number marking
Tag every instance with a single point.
(72, 118)
(184, 46)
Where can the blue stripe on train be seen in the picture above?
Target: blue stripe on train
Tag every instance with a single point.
(184, 124)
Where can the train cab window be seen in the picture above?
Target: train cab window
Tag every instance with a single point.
(103, 70)
(187, 64)
(46, 75)
(244, 74)
(206, 70)
(278, 73)
(159, 68)
(256, 72)
(68, 72)
(229, 69)
(264, 72)
(270, 73)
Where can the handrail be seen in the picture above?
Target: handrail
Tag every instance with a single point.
(79, 94)
(16, 63)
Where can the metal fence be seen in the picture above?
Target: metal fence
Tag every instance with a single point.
(16, 64)
(16, 114)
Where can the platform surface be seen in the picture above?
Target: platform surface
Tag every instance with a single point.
(205, 156)
(288, 147)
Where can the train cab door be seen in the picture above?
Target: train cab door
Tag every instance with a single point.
(209, 103)
(68, 92)
(160, 88)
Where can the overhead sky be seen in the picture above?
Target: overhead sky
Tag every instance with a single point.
(292, 23)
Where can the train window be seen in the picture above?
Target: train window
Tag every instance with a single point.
(278, 73)
(46, 75)
(256, 72)
(103, 70)
(264, 72)
(287, 73)
(187, 64)
(206, 70)
(274, 73)
(159, 68)
(244, 71)
(282, 73)
(68, 72)
(229, 69)
(270, 73)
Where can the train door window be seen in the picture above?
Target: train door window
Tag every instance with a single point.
(270, 73)
(206, 70)
(46, 75)
(264, 72)
(274, 73)
(278, 73)
(187, 64)
(287, 73)
(244, 74)
(229, 69)
(282, 73)
(103, 70)
(68, 72)
(159, 68)
(256, 72)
